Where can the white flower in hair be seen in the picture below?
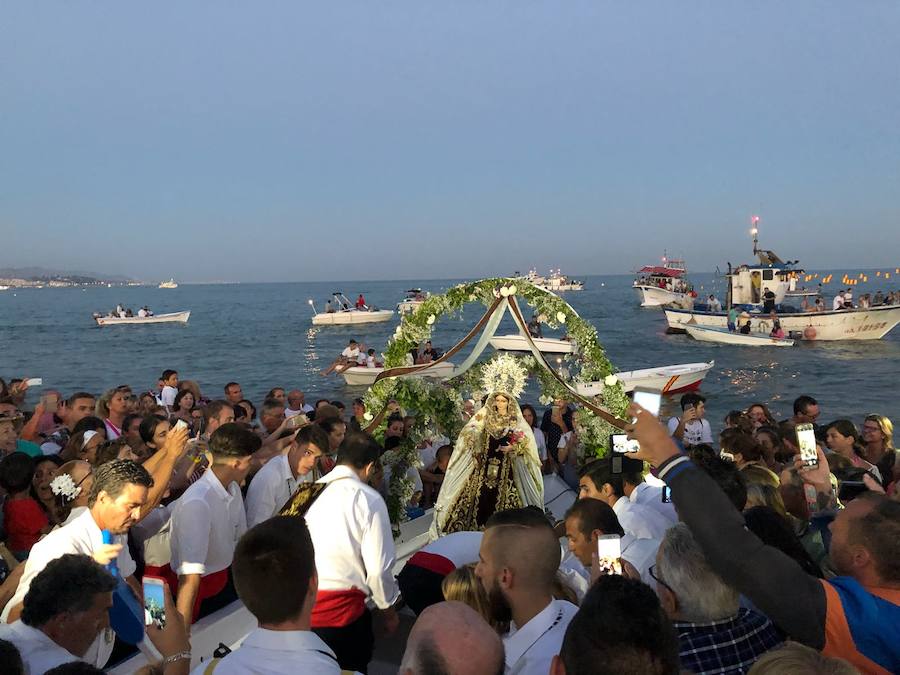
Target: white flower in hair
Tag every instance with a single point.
(505, 374)
(64, 486)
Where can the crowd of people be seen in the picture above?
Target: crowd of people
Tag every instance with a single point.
(732, 554)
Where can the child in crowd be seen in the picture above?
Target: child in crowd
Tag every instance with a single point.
(24, 519)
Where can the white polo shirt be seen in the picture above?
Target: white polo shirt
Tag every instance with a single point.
(271, 488)
(207, 521)
(639, 520)
(277, 652)
(651, 496)
(39, 653)
(531, 648)
(351, 533)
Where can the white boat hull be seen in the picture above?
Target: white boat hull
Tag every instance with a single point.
(360, 376)
(560, 288)
(352, 316)
(654, 296)
(667, 379)
(724, 336)
(845, 324)
(517, 343)
(175, 317)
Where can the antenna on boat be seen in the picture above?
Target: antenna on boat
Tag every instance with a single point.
(754, 230)
(312, 304)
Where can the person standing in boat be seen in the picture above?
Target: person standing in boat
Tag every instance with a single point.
(768, 300)
(713, 304)
(732, 319)
(361, 302)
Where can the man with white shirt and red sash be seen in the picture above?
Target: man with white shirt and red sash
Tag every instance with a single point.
(351, 532)
(209, 519)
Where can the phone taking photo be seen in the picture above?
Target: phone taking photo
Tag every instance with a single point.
(649, 399)
(806, 441)
(154, 602)
(620, 443)
(609, 550)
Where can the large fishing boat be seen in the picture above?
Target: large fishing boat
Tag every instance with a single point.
(555, 283)
(659, 285)
(747, 288)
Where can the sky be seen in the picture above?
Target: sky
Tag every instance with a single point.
(290, 141)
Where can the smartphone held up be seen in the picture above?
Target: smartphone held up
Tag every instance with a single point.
(806, 442)
(154, 602)
(609, 553)
(649, 399)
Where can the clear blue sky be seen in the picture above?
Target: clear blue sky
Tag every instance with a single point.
(301, 141)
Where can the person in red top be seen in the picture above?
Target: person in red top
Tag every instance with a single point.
(23, 518)
(360, 302)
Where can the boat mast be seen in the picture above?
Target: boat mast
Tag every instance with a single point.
(754, 230)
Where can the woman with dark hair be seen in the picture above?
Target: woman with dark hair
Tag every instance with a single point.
(532, 419)
(83, 444)
(154, 430)
(760, 416)
(842, 438)
(181, 408)
(738, 419)
(773, 530)
(770, 444)
(45, 469)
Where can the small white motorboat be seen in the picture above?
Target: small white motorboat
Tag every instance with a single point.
(340, 312)
(725, 336)
(674, 379)
(361, 376)
(518, 343)
(174, 317)
(169, 284)
(414, 299)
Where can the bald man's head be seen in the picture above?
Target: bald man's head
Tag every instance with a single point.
(451, 638)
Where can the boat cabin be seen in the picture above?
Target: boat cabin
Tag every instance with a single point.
(669, 276)
(748, 283)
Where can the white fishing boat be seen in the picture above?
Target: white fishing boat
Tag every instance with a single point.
(843, 324)
(673, 379)
(340, 311)
(727, 337)
(659, 285)
(169, 284)
(361, 376)
(174, 317)
(414, 299)
(555, 283)
(518, 343)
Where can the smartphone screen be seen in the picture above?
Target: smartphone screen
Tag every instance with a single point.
(620, 443)
(649, 399)
(666, 494)
(154, 603)
(806, 441)
(609, 550)
(50, 402)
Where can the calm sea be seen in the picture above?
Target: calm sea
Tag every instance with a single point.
(261, 336)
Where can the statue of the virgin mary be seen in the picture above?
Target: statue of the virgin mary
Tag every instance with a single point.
(494, 466)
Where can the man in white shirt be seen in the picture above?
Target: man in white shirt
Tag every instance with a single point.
(691, 428)
(277, 481)
(838, 302)
(350, 529)
(65, 610)
(117, 495)
(296, 404)
(597, 481)
(517, 565)
(421, 577)
(451, 637)
(208, 519)
(588, 520)
(348, 358)
(640, 492)
(275, 577)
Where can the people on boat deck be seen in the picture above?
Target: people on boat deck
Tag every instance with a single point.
(838, 302)
(534, 327)
(348, 358)
(777, 330)
(744, 327)
(361, 302)
(713, 304)
(732, 318)
(768, 300)
(329, 308)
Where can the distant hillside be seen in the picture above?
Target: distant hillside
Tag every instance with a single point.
(46, 273)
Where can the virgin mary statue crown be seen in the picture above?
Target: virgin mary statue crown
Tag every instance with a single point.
(504, 374)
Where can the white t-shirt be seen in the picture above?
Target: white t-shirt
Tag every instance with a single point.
(350, 353)
(695, 432)
(838, 302)
(167, 397)
(39, 653)
(271, 488)
(640, 521)
(277, 652)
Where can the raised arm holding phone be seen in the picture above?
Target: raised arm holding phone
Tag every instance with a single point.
(855, 616)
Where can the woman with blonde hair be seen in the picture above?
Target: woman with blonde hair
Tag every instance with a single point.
(113, 407)
(878, 435)
(463, 586)
(763, 489)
